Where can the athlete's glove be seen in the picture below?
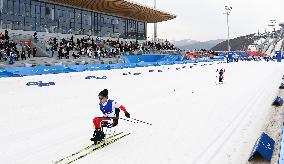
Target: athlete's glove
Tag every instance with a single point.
(127, 115)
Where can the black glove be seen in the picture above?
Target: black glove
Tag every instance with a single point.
(127, 115)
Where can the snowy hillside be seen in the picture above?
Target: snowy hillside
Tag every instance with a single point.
(194, 120)
(270, 42)
(192, 44)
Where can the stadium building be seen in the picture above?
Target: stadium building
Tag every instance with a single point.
(104, 18)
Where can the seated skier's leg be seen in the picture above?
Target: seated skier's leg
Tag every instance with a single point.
(98, 133)
(97, 122)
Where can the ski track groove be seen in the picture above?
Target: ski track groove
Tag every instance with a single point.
(238, 117)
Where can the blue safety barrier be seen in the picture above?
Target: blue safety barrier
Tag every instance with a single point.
(180, 62)
(142, 58)
(151, 70)
(263, 146)
(278, 101)
(137, 73)
(166, 62)
(89, 67)
(160, 71)
(38, 70)
(150, 60)
(4, 73)
(147, 64)
(281, 154)
(242, 54)
(117, 66)
(234, 53)
(130, 65)
(221, 53)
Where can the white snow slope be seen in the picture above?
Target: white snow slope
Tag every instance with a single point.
(194, 120)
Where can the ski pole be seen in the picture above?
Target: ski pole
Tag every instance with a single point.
(141, 121)
(128, 120)
(138, 121)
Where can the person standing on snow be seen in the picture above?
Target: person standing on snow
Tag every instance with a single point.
(221, 74)
(110, 110)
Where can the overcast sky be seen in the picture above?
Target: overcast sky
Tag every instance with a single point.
(204, 19)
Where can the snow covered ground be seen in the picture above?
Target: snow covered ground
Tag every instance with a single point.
(279, 45)
(194, 120)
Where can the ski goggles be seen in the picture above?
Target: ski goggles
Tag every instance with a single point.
(101, 97)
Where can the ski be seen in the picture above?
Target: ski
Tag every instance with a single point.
(84, 149)
(107, 143)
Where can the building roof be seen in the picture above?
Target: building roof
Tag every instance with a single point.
(122, 8)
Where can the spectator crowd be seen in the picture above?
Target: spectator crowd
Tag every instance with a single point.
(97, 48)
(9, 50)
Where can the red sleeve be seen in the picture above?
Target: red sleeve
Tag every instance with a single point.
(123, 109)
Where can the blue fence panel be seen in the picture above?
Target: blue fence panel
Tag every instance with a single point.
(166, 62)
(37, 70)
(142, 58)
(117, 66)
(152, 58)
(180, 62)
(78, 68)
(190, 61)
(131, 62)
(4, 73)
(89, 67)
(20, 71)
(242, 54)
(171, 58)
(146, 64)
(221, 53)
(51, 69)
(130, 65)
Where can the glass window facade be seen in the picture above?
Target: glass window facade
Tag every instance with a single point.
(32, 15)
